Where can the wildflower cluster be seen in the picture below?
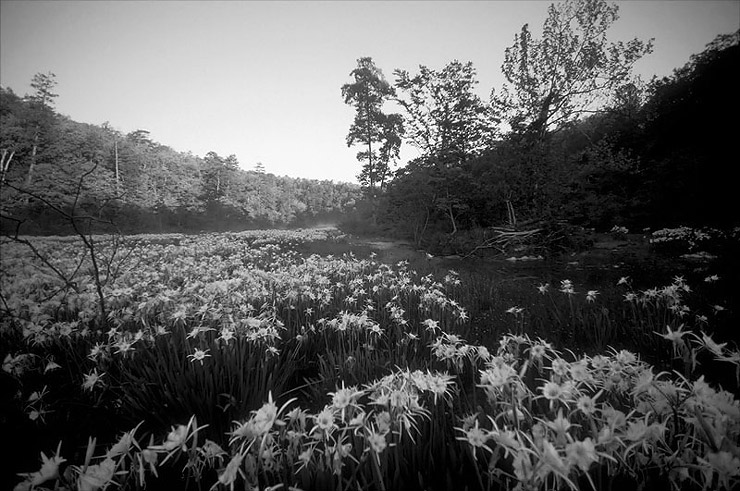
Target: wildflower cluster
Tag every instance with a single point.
(687, 237)
(619, 230)
(358, 423)
(228, 320)
(552, 424)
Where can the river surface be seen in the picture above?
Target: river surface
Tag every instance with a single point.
(604, 263)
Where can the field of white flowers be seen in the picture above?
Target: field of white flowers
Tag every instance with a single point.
(244, 361)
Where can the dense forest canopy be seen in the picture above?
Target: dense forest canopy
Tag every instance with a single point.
(50, 161)
(572, 136)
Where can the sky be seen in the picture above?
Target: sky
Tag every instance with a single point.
(262, 80)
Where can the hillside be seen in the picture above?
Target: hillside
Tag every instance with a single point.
(52, 165)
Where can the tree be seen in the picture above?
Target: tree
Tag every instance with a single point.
(140, 137)
(450, 125)
(410, 201)
(390, 132)
(14, 134)
(551, 81)
(97, 175)
(212, 173)
(41, 102)
(445, 119)
(371, 126)
(116, 136)
(43, 85)
(689, 178)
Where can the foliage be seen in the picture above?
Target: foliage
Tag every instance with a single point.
(428, 198)
(371, 125)
(634, 163)
(674, 156)
(155, 187)
(553, 80)
(449, 124)
(445, 119)
(343, 372)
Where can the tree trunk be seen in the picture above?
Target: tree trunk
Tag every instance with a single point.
(118, 175)
(34, 149)
(538, 127)
(511, 214)
(29, 176)
(452, 220)
(5, 164)
(371, 172)
(419, 234)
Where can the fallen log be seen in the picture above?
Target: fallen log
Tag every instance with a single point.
(504, 238)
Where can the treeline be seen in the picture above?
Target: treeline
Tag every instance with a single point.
(571, 137)
(53, 166)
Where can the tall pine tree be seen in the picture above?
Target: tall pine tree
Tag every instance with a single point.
(378, 132)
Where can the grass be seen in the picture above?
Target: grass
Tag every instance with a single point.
(275, 360)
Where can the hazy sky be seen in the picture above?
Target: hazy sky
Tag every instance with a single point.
(262, 79)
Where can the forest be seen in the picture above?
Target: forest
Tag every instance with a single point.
(54, 168)
(571, 142)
